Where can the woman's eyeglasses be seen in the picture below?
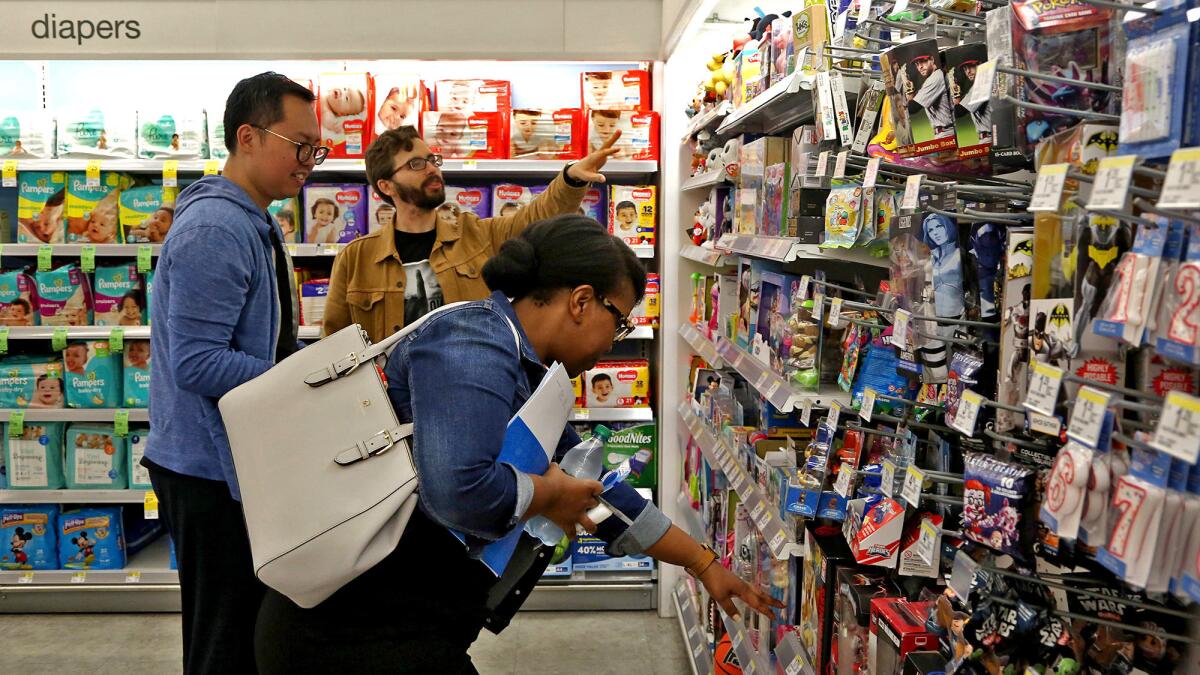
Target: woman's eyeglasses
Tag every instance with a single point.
(624, 325)
(304, 151)
(419, 163)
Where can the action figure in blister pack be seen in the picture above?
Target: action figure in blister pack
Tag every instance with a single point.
(987, 250)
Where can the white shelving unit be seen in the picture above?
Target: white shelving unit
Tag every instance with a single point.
(526, 167)
(76, 250)
(72, 496)
(106, 415)
(612, 415)
(706, 180)
(706, 256)
(694, 637)
(78, 332)
(785, 249)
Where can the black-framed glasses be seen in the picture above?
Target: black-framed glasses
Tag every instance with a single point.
(419, 163)
(624, 325)
(304, 151)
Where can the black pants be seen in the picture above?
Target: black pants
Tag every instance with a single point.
(221, 596)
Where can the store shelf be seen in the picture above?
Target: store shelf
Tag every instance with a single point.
(78, 332)
(148, 566)
(72, 496)
(777, 535)
(641, 333)
(612, 415)
(786, 249)
(455, 166)
(75, 414)
(706, 180)
(752, 663)
(707, 121)
(791, 657)
(595, 591)
(705, 255)
(76, 250)
(691, 519)
(785, 105)
(693, 633)
(700, 344)
(645, 251)
(773, 386)
(848, 255)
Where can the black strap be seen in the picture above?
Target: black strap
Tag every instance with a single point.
(286, 345)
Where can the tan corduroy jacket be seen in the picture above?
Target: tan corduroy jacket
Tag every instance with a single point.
(367, 285)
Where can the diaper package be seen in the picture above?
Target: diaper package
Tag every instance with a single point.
(477, 200)
(97, 133)
(286, 212)
(93, 375)
(507, 198)
(8, 214)
(399, 101)
(616, 90)
(312, 301)
(334, 214)
(35, 457)
(136, 358)
(94, 213)
(170, 135)
(380, 214)
(346, 112)
(18, 302)
(639, 133)
(26, 134)
(139, 440)
(146, 213)
(149, 294)
(28, 537)
(64, 296)
(631, 213)
(117, 296)
(595, 204)
(467, 135)
(547, 134)
(91, 539)
(41, 204)
(474, 96)
(618, 384)
(31, 382)
(214, 122)
(96, 458)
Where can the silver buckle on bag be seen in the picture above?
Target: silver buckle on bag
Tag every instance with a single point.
(333, 371)
(375, 445)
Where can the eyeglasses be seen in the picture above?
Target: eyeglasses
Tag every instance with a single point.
(419, 163)
(304, 151)
(624, 325)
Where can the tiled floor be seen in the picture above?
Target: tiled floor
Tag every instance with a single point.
(598, 643)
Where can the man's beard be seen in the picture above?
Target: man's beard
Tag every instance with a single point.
(418, 197)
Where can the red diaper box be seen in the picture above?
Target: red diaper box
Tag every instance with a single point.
(547, 134)
(467, 135)
(898, 628)
(639, 132)
(616, 90)
(345, 109)
(618, 384)
(400, 100)
(474, 95)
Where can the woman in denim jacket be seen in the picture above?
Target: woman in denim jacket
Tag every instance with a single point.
(568, 287)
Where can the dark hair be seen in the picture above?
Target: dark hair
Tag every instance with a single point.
(23, 303)
(621, 206)
(43, 378)
(600, 377)
(323, 200)
(380, 154)
(258, 101)
(565, 251)
(22, 534)
(57, 198)
(610, 114)
(134, 295)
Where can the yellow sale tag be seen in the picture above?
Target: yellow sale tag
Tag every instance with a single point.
(9, 173)
(170, 173)
(212, 167)
(150, 504)
(93, 173)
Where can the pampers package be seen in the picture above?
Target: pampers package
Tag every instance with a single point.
(334, 214)
(18, 302)
(163, 135)
(467, 135)
(97, 133)
(64, 296)
(26, 134)
(147, 213)
(139, 476)
(214, 122)
(28, 537)
(93, 211)
(34, 457)
(136, 361)
(96, 458)
(286, 213)
(507, 198)
(345, 110)
(117, 296)
(631, 213)
(41, 201)
(91, 539)
(477, 200)
(399, 101)
(93, 375)
(618, 384)
(31, 382)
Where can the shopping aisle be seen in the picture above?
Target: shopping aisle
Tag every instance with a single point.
(131, 644)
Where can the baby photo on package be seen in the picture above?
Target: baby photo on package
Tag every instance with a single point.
(41, 207)
(95, 133)
(30, 533)
(631, 213)
(147, 213)
(18, 302)
(34, 458)
(507, 198)
(117, 296)
(92, 374)
(467, 135)
(334, 214)
(91, 539)
(94, 212)
(639, 133)
(380, 214)
(616, 90)
(136, 391)
(31, 382)
(399, 101)
(618, 384)
(474, 96)
(344, 107)
(64, 296)
(286, 213)
(26, 134)
(163, 135)
(547, 134)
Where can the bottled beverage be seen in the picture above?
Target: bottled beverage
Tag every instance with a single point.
(585, 461)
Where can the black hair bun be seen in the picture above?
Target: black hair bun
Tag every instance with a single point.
(514, 269)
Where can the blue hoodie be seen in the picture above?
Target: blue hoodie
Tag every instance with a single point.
(216, 319)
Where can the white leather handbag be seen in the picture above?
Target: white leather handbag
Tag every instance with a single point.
(325, 468)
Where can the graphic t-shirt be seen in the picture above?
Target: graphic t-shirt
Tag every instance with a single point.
(422, 292)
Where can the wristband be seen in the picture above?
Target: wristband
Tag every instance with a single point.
(707, 558)
(571, 182)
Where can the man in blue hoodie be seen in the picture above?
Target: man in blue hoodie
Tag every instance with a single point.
(224, 312)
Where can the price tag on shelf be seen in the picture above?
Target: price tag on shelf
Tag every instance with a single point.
(926, 547)
(914, 481)
(212, 167)
(818, 310)
(969, 405)
(170, 175)
(736, 639)
(872, 173)
(761, 381)
(900, 328)
(912, 192)
(777, 542)
(1181, 189)
(887, 484)
(835, 313)
(845, 480)
(16, 424)
(1087, 417)
(8, 173)
(839, 165)
(835, 413)
(1178, 431)
(331, 249)
(864, 13)
(806, 412)
(144, 254)
(25, 578)
(822, 163)
(901, 6)
(58, 339)
(134, 577)
(1111, 184)
(116, 340)
(293, 249)
(796, 665)
(3, 339)
(92, 173)
(87, 259)
(1044, 383)
(750, 668)
(868, 404)
(582, 414)
(45, 258)
(79, 578)
(772, 390)
(762, 520)
(698, 651)
(1047, 193)
(121, 423)
(802, 292)
(150, 505)
(735, 479)
(759, 509)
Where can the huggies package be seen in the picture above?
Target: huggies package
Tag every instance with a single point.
(139, 476)
(474, 96)
(214, 122)
(26, 134)
(31, 382)
(136, 374)
(380, 214)
(118, 296)
(477, 200)
(93, 213)
(96, 458)
(93, 375)
(64, 297)
(28, 538)
(41, 207)
(147, 213)
(399, 101)
(35, 457)
(616, 90)
(170, 136)
(345, 108)
(618, 384)
(312, 302)
(18, 302)
(646, 312)
(639, 133)
(467, 135)
(631, 213)
(91, 539)
(595, 204)
(507, 198)
(96, 133)
(547, 134)
(334, 214)
(286, 213)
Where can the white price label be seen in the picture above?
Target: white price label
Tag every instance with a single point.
(864, 13)
(985, 77)
(1178, 431)
(1044, 383)
(1181, 189)
(1087, 417)
(912, 192)
(901, 6)
(914, 481)
(822, 163)
(759, 509)
(835, 313)
(737, 639)
(769, 394)
(762, 520)
(796, 665)
(872, 174)
(839, 166)
(845, 480)
(694, 632)
(1111, 185)
(25, 578)
(887, 483)
(698, 651)
(804, 160)
(806, 412)
(926, 546)
(802, 292)
(900, 328)
(835, 413)
(868, 404)
(818, 312)
(736, 480)
(8, 173)
(969, 405)
(777, 541)
(582, 414)
(331, 249)
(79, 578)
(92, 174)
(133, 577)
(1047, 193)
(170, 173)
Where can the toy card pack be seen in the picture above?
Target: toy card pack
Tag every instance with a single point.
(972, 121)
(457, 134)
(93, 211)
(34, 458)
(922, 110)
(18, 300)
(64, 296)
(345, 109)
(473, 96)
(616, 90)
(41, 207)
(507, 198)
(334, 214)
(639, 133)
(618, 384)
(400, 100)
(91, 539)
(170, 135)
(547, 134)
(995, 497)
(146, 214)
(632, 213)
(28, 538)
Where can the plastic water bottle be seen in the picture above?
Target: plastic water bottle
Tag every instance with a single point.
(585, 461)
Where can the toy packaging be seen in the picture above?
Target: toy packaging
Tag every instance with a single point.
(627, 90)
(477, 200)
(31, 382)
(118, 296)
(41, 207)
(146, 213)
(774, 206)
(64, 296)
(811, 29)
(473, 96)
(91, 539)
(639, 133)
(618, 384)
(400, 100)
(1015, 324)
(18, 302)
(595, 204)
(136, 368)
(163, 135)
(913, 74)
(547, 134)
(345, 109)
(334, 213)
(312, 301)
(96, 458)
(632, 213)
(507, 198)
(852, 618)
(93, 375)
(93, 213)
(844, 214)
(897, 629)
(214, 119)
(97, 134)
(973, 124)
(819, 589)
(286, 213)
(35, 458)
(28, 538)
(995, 496)
(783, 49)
(457, 134)
(26, 134)
(139, 476)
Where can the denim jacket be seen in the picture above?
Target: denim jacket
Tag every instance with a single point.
(461, 378)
